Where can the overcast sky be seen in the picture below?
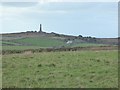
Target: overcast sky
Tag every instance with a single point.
(97, 19)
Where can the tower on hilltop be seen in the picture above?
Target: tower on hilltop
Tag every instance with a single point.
(40, 28)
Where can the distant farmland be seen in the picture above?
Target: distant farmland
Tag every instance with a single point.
(23, 41)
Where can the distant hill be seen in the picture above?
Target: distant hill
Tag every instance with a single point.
(53, 40)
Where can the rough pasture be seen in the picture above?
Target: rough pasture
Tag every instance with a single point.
(70, 69)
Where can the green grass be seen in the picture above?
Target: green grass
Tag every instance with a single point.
(9, 43)
(84, 45)
(40, 41)
(1, 71)
(80, 69)
(88, 44)
(20, 47)
(37, 47)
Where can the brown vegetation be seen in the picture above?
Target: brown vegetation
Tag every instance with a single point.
(60, 49)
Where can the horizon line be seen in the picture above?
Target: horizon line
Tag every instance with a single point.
(55, 33)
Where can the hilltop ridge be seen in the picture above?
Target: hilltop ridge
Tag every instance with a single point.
(65, 38)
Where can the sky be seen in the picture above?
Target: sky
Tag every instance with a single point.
(96, 19)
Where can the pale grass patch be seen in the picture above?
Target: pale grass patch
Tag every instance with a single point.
(27, 53)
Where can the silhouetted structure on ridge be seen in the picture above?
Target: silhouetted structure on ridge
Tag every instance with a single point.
(40, 28)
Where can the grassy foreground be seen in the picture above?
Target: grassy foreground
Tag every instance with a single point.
(79, 69)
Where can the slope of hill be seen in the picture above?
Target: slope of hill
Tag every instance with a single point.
(29, 40)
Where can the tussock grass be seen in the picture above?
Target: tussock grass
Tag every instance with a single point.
(76, 69)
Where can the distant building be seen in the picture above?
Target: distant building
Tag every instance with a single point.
(69, 42)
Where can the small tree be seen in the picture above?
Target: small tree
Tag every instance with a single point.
(80, 36)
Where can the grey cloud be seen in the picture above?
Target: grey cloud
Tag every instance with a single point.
(19, 4)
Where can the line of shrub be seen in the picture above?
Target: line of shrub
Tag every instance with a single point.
(60, 49)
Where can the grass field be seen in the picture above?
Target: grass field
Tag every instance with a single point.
(20, 47)
(38, 47)
(30, 43)
(8, 43)
(43, 42)
(74, 68)
(80, 69)
(88, 44)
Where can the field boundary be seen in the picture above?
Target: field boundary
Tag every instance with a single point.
(93, 48)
